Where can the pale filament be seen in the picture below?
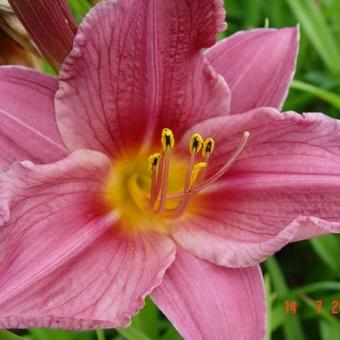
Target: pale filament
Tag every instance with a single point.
(156, 174)
(164, 182)
(189, 171)
(153, 187)
(159, 176)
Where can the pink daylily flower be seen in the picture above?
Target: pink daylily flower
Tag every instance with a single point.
(87, 230)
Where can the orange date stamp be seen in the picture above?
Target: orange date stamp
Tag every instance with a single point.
(291, 306)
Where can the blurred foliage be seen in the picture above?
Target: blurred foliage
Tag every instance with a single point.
(303, 274)
(16, 47)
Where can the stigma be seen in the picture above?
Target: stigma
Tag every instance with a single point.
(195, 180)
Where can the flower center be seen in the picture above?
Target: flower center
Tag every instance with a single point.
(149, 191)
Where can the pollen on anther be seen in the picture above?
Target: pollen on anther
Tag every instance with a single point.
(153, 161)
(195, 143)
(168, 139)
(208, 147)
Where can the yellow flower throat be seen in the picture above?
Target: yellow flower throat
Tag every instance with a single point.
(147, 192)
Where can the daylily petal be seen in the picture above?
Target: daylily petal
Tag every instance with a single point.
(205, 301)
(136, 67)
(28, 129)
(61, 263)
(51, 25)
(258, 65)
(101, 287)
(284, 187)
(284, 143)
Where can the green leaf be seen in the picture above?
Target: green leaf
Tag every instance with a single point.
(278, 280)
(7, 335)
(277, 12)
(132, 333)
(310, 288)
(79, 8)
(100, 334)
(323, 94)
(171, 334)
(47, 68)
(278, 317)
(147, 320)
(49, 334)
(252, 13)
(328, 249)
(328, 331)
(292, 326)
(332, 10)
(323, 312)
(145, 325)
(267, 290)
(314, 24)
(58, 334)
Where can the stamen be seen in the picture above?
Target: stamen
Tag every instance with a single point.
(168, 143)
(195, 143)
(208, 148)
(159, 165)
(153, 161)
(226, 166)
(167, 140)
(198, 187)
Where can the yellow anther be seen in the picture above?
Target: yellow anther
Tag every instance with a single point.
(208, 147)
(195, 143)
(168, 139)
(153, 161)
(198, 167)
